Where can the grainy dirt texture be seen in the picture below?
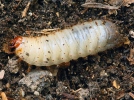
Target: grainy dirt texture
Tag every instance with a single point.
(106, 76)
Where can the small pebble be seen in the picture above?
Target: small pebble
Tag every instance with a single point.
(2, 73)
(13, 65)
(131, 33)
(22, 93)
(36, 93)
(37, 80)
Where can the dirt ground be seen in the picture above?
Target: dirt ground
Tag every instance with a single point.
(105, 76)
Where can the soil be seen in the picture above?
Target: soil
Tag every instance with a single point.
(105, 76)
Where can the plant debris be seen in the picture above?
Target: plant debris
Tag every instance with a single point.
(131, 57)
(37, 80)
(110, 4)
(3, 95)
(2, 72)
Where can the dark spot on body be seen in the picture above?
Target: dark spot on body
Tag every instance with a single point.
(46, 62)
(22, 57)
(47, 40)
(90, 26)
(47, 59)
(48, 51)
(104, 22)
(96, 23)
(46, 35)
(27, 54)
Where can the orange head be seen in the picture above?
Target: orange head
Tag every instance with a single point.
(14, 43)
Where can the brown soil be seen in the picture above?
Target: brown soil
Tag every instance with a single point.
(107, 76)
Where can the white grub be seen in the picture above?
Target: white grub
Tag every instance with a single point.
(37, 80)
(13, 65)
(81, 40)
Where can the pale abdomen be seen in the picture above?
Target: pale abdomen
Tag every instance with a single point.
(80, 40)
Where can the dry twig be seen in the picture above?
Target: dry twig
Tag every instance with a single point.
(112, 4)
(131, 57)
(128, 2)
(26, 9)
(3, 95)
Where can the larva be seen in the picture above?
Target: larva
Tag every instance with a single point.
(64, 45)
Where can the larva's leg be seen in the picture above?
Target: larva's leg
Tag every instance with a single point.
(64, 65)
(29, 68)
(85, 58)
(53, 69)
(19, 62)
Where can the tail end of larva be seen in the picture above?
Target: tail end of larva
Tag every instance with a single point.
(115, 39)
(121, 40)
(12, 45)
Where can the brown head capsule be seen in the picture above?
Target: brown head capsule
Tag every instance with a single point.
(14, 43)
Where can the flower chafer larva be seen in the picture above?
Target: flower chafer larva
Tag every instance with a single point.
(61, 46)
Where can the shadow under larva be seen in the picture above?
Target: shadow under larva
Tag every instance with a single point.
(61, 46)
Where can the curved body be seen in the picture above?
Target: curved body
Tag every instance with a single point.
(80, 40)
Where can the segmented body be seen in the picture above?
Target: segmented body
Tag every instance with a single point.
(80, 40)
